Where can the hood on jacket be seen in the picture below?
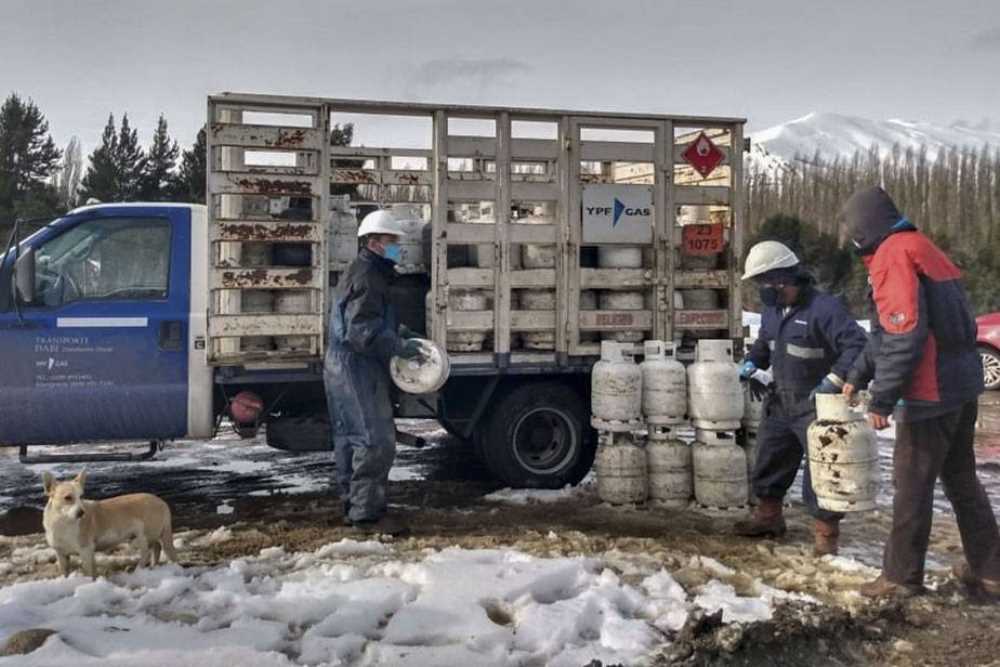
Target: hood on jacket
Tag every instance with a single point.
(871, 215)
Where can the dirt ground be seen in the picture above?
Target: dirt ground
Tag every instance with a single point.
(444, 506)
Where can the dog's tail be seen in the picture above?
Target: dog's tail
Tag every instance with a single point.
(167, 539)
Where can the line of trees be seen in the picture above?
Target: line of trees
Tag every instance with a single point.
(954, 197)
(38, 180)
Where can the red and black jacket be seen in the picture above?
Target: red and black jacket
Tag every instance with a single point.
(922, 352)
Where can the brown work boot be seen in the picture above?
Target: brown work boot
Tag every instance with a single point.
(825, 536)
(883, 588)
(765, 521)
(973, 583)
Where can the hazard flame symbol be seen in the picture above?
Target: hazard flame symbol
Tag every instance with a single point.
(703, 155)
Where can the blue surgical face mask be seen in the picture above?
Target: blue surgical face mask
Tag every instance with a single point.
(769, 295)
(393, 252)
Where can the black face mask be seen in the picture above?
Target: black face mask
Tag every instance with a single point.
(769, 295)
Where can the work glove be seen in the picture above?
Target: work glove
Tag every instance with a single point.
(758, 390)
(747, 370)
(827, 386)
(411, 349)
(406, 333)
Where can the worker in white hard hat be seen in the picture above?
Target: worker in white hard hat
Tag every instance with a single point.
(363, 338)
(809, 341)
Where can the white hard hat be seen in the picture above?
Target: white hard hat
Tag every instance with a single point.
(767, 256)
(380, 222)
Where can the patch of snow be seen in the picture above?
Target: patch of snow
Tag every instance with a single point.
(533, 496)
(359, 602)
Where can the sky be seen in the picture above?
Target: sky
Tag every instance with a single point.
(767, 60)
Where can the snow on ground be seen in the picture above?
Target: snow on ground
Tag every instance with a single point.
(363, 603)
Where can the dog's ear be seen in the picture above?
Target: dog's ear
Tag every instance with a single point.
(81, 478)
(48, 481)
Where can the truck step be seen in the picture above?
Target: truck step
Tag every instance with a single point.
(154, 447)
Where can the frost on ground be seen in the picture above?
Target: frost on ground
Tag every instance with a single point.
(368, 603)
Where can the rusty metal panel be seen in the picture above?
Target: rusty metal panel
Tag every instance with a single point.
(735, 252)
(252, 230)
(223, 326)
(264, 184)
(719, 279)
(267, 136)
(269, 278)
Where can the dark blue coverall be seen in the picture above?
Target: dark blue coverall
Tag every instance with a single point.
(801, 344)
(363, 339)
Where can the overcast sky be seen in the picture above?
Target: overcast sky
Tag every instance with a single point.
(768, 60)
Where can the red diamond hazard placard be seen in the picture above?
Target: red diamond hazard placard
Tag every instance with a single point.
(703, 155)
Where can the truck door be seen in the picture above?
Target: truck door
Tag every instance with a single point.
(100, 353)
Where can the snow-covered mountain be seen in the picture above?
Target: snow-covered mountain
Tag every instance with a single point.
(837, 134)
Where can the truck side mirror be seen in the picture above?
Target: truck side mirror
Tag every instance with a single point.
(24, 275)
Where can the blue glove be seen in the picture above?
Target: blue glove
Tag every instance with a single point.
(747, 370)
(826, 387)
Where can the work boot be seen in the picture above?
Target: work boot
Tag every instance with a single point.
(973, 583)
(883, 588)
(825, 536)
(386, 525)
(766, 520)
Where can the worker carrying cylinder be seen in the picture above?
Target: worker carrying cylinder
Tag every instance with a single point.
(363, 338)
(809, 341)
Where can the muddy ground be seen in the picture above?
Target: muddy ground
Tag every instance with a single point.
(267, 498)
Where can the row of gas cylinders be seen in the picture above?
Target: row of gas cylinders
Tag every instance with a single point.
(258, 255)
(638, 410)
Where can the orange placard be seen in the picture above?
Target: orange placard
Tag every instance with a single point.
(704, 239)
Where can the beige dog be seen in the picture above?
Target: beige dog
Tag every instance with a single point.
(77, 526)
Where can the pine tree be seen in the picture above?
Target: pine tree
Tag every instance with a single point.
(158, 176)
(189, 184)
(102, 180)
(116, 166)
(131, 162)
(28, 159)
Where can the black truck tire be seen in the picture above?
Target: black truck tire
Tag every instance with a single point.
(299, 434)
(538, 436)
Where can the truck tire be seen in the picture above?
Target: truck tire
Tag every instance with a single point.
(538, 436)
(299, 434)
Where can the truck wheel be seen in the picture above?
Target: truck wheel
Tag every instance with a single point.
(537, 436)
(299, 434)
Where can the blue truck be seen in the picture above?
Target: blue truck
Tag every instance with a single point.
(153, 321)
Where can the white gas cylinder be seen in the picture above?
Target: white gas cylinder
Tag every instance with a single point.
(421, 376)
(843, 456)
(616, 389)
(620, 464)
(720, 470)
(291, 302)
(714, 384)
(671, 474)
(664, 384)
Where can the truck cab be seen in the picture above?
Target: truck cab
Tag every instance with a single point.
(102, 333)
